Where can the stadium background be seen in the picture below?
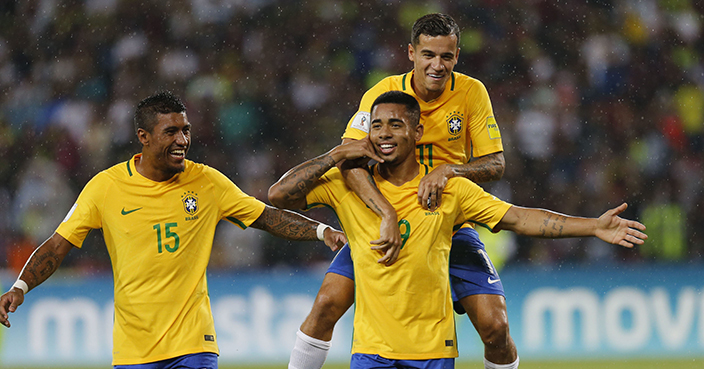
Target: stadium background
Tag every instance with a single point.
(598, 102)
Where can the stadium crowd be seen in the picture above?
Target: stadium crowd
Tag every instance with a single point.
(598, 102)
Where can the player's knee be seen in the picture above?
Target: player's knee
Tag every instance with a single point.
(329, 307)
(494, 333)
(326, 304)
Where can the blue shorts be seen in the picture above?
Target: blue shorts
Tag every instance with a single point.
(471, 270)
(366, 361)
(202, 360)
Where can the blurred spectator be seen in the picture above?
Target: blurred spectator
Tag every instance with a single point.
(598, 102)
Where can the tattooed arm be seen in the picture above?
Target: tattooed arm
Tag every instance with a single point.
(483, 169)
(40, 266)
(351, 156)
(293, 226)
(542, 223)
(291, 189)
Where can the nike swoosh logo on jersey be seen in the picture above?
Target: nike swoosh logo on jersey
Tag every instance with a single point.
(123, 212)
(492, 281)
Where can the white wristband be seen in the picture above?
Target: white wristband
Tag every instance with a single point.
(321, 231)
(21, 285)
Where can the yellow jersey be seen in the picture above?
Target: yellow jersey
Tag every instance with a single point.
(404, 311)
(159, 236)
(459, 125)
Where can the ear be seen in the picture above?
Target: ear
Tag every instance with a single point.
(419, 131)
(457, 55)
(143, 136)
(411, 52)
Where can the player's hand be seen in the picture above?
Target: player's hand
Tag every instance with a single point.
(334, 239)
(432, 185)
(355, 153)
(389, 242)
(618, 231)
(9, 302)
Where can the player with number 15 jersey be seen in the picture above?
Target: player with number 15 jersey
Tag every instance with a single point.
(159, 236)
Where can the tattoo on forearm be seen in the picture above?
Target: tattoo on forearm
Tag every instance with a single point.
(375, 208)
(552, 225)
(371, 181)
(302, 178)
(40, 267)
(484, 169)
(287, 224)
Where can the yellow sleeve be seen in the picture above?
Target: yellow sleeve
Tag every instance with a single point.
(360, 123)
(85, 214)
(484, 137)
(478, 206)
(235, 205)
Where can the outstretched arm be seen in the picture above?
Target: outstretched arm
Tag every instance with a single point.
(483, 169)
(608, 227)
(41, 265)
(296, 227)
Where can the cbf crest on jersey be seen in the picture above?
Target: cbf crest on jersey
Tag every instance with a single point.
(454, 123)
(190, 202)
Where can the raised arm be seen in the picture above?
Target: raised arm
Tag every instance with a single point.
(41, 265)
(296, 227)
(360, 181)
(351, 157)
(483, 169)
(542, 223)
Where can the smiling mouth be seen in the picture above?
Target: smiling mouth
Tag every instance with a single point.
(387, 148)
(178, 153)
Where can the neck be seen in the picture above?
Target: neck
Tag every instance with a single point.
(143, 167)
(423, 94)
(400, 173)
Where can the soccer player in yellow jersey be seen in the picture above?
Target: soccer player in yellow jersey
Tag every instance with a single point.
(158, 213)
(403, 312)
(459, 125)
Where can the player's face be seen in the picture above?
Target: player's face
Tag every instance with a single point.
(433, 59)
(168, 143)
(393, 136)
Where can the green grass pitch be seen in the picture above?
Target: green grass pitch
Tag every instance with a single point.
(691, 363)
(531, 364)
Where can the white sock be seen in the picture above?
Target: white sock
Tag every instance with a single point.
(489, 365)
(308, 352)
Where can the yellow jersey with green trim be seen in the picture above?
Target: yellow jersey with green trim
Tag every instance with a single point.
(404, 311)
(459, 125)
(159, 236)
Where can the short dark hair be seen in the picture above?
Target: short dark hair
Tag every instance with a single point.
(162, 102)
(402, 98)
(435, 24)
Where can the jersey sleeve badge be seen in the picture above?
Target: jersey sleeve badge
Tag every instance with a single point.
(493, 128)
(362, 121)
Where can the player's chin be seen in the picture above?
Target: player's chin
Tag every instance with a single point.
(177, 166)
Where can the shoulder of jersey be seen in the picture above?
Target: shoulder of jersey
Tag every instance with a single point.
(459, 182)
(192, 165)
(394, 80)
(122, 169)
(461, 78)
